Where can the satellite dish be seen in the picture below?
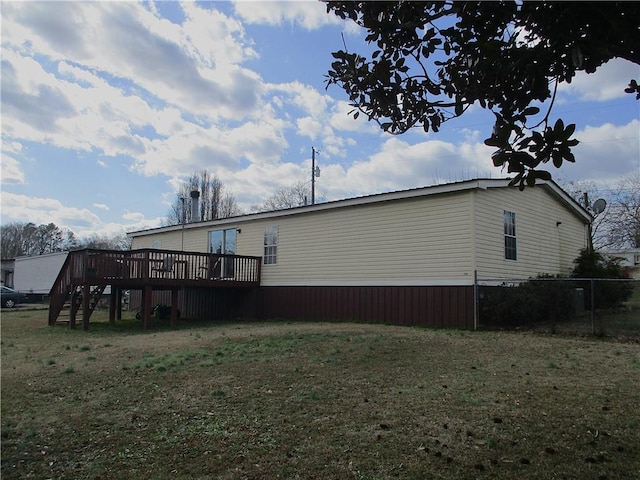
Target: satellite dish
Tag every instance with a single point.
(599, 206)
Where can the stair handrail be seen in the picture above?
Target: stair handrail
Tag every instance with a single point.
(59, 291)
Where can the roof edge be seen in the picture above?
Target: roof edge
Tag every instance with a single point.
(474, 184)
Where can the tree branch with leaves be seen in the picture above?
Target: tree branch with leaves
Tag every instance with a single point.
(431, 61)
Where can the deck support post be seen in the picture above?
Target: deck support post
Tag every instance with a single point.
(174, 307)
(73, 309)
(146, 307)
(119, 304)
(113, 305)
(86, 298)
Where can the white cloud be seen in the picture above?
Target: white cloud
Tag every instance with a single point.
(214, 38)
(342, 119)
(47, 210)
(133, 217)
(257, 182)
(81, 221)
(129, 43)
(11, 171)
(607, 83)
(605, 153)
(100, 206)
(335, 145)
(12, 147)
(98, 112)
(304, 97)
(309, 127)
(310, 14)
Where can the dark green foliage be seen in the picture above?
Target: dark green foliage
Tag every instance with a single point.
(609, 293)
(431, 61)
(541, 299)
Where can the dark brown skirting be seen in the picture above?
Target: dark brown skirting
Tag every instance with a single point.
(429, 306)
(432, 306)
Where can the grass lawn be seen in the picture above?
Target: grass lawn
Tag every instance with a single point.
(313, 401)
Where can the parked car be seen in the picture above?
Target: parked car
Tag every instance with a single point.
(9, 298)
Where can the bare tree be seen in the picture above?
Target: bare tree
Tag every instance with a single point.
(618, 226)
(215, 200)
(292, 196)
(585, 193)
(228, 206)
(623, 225)
(11, 240)
(20, 239)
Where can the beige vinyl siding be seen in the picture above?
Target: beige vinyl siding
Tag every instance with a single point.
(543, 245)
(415, 241)
(437, 239)
(196, 239)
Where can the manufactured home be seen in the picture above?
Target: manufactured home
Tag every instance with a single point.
(408, 257)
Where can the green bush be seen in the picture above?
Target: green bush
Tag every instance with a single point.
(541, 299)
(608, 292)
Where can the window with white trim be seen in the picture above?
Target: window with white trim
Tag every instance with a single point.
(270, 256)
(510, 244)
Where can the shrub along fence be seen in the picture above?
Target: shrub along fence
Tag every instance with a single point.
(581, 306)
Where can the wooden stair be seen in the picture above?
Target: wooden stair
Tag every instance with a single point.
(67, 296)
(73, 302)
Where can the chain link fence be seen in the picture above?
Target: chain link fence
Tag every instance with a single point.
(573, 306)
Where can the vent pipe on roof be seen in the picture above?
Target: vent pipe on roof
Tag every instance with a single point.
(195, 210)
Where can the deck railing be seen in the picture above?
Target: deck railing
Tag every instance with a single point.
(92, 266)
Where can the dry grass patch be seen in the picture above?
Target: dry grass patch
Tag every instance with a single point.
(314, 401)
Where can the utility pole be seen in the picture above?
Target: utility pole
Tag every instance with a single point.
(315, 172)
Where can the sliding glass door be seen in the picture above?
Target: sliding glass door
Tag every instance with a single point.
(223, 242)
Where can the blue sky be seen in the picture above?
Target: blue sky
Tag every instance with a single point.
(107, 106)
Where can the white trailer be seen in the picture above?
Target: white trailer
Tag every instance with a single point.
(35, 275)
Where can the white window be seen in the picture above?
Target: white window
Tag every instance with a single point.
(270, 256)
(510, 244)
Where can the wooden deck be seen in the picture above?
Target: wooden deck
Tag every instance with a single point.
(86, 273)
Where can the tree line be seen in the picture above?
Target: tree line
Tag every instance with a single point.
(20, 239)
